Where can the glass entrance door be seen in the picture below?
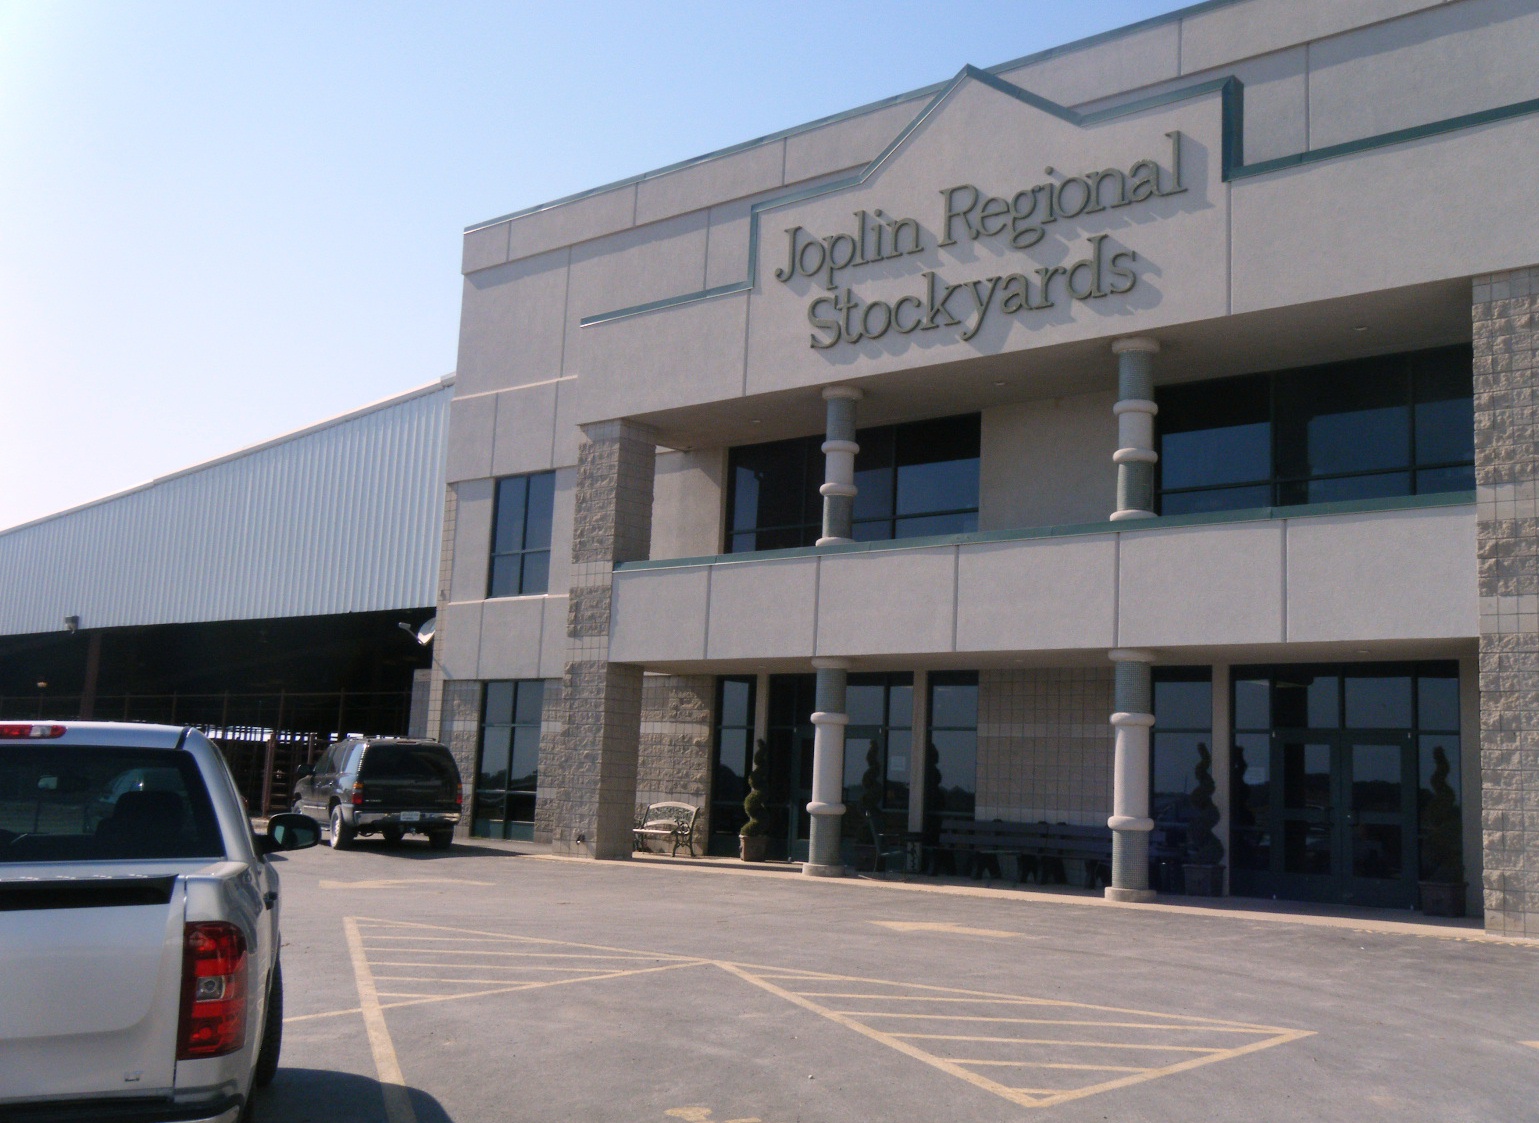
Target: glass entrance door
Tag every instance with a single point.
(1332, 817)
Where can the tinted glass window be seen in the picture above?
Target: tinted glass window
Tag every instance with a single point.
(1365, 429)
(507, 769)
(734, 756)
(951, 750)
(521, 535)
(416, 762)
(80, 803)
(915, 479)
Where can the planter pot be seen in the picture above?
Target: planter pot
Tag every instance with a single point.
(1442, 898)
(752, 847)
(1204, 880)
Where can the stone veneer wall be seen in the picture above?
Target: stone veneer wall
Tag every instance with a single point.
(459, 728)
(590, 778)
(1045, 745)
(552, 728)
(1506, 338)
(676, 734)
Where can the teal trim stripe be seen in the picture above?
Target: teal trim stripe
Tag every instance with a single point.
(1132, 526)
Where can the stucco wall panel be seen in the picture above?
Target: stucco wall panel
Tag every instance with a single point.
(687, 503)
(1393, 575)
(893, 601)
(1443, 62)
(710, 181)
(510, 637)
(1048, 462)
(485, 248)
(1435, 209)
(1202, 585)
(525, 430)
(566, 224)
(846, 144)
(763, 609)
(643, 598)
(1127, 62)
(457, 643)
(1042, 594)
(472, 424)
(472, 539)
(1225, 34)
(511, 319)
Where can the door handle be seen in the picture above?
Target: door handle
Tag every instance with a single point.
(270, 898)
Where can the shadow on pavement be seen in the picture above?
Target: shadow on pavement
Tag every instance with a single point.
(312, 1095)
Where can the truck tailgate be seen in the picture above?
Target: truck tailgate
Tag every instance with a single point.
(90, 984)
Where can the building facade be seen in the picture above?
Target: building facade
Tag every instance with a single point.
(1155, 415)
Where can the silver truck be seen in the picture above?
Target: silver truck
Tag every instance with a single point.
(139, 972)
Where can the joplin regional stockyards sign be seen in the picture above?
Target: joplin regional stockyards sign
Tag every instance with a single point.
(968, 212)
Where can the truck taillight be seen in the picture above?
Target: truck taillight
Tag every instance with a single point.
(357, 793)
(26, 730)
(213, 1020)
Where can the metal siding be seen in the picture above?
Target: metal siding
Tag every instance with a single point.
(345, 517)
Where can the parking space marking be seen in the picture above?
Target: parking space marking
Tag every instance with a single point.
(1131, 1036)
(1033, 1052)
(950, 929)
(399, 883)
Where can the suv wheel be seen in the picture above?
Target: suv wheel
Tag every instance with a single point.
(341, 833)
(441, 840)
(391, 835)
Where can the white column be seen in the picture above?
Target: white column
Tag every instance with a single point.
(1132, 719)
(839, 449)
(827, 805)
(1135, 409)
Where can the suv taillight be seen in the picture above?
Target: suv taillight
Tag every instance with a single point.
(357, 793)
(459, 794)
(213, 1019)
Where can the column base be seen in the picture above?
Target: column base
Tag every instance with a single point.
(813, 869)
(1134, 896)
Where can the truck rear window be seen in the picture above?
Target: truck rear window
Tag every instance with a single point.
(66, 803)
(410, 762)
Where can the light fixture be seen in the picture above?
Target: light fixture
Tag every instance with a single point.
(72, 624)
(424, 634)
(756, 421)
(42, 684)
(1363, 651)
(1360, 327)
(1000, 382)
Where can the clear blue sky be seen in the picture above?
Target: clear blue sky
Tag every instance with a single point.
(223, 221)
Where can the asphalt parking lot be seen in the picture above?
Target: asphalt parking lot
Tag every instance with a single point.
(482, 986)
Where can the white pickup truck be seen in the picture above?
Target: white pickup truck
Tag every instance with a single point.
(139, 974)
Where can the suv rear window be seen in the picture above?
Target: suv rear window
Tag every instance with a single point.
(66, 803)
(410, 762)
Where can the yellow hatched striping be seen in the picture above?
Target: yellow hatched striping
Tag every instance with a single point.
(1052, 1021)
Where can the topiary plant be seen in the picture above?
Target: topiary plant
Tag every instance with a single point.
(1202, 845)
(753, 803)
(1442, 825)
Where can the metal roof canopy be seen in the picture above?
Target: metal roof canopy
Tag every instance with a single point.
(342, 516)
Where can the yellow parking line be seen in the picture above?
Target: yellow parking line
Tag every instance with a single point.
(519, 954)
(392, 1083)
(488, 966)
(1058, 1041)
(1055, 1064)
(1045, 1021)
(522, 939)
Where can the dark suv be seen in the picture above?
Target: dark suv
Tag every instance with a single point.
(384, 786)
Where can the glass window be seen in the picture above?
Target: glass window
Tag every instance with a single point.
(733, 758)
(507, 767)
(1364, 429)
(951, 750)
(521, 535)
(915, 479)
(1183, 732)
(878, 744)
(1378, 701)
(70, 803)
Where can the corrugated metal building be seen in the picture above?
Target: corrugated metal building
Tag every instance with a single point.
(343, 516)
(262, 595)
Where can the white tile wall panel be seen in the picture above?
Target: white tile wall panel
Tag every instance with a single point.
(345, 516)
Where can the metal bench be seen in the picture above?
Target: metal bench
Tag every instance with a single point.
(666, 822)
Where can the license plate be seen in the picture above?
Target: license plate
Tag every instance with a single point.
(410, 816)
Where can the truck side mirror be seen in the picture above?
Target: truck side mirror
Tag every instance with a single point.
(303, 771)
(288, 831)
